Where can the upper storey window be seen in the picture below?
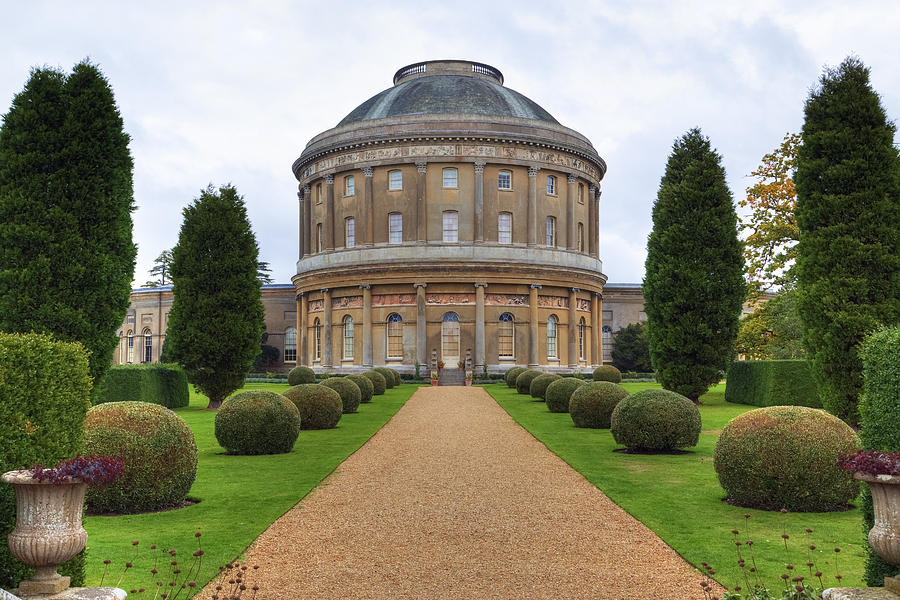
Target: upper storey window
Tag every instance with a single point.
(551, 231)
(581, 237)
(319, 243)
(451, 178)
(395, 228)
(349, 232)
(451, 226)
(581, 193)
(504, 180)
(504, 228)
(551, 185)
(318, 193)
(349, 185)
(395, 180)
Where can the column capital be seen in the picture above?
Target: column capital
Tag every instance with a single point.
(575, 290)
(300, 195)
(592, 188)
(536, 286)
(479, 166)
(597, 191)
(572, 178)
(533, 171)
(300, 294)
(365, 286)
(482, 284)
(329, 180)
(368, 171)
(422, 166)
(421, 285)
(599, 295)
(307, 189)
(324, 290)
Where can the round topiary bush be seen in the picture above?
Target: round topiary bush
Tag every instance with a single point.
(388, 376)
(366, 388)
(301, 375)
(397, 379)
(379, 383)
(511, 375)
(349, 391)
(559, 392)
(591, 404)
(320, 406)
(523, 381)
(158, 449)
(607, 373)
(257, 422)
(656, 420)
(539, 385)
(786, 457)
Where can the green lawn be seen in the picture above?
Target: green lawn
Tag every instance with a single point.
(679, 497)
(240, 495)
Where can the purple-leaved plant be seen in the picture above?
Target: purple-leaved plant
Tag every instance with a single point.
(93, 470)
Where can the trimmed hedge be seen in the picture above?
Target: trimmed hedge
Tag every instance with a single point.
(879, 412)
(397, 378)
(771, 383)
(786, 457)
(158, 449)
(257, 422)
(163, 384)
(320, 406)
(656, 420)
(523, 381)
(607, 373)
(538, 387)
(349, 392)
(388, 376)
(511, 375)
(559, 392)
(45, 392)
(379, 383)
(591, 405)
(366, 387)
(300, 375)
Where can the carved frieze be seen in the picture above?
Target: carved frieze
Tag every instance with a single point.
(347, 302)
(553, 302)
(583, 305)
(316, 305)
(450, 299)
(506, 300)
(394, 300)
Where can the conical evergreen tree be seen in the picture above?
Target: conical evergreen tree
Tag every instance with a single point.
(217, 316)
(848, 212)
(693, 281)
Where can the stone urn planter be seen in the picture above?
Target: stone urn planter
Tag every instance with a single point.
(48, 528)
(884, 537)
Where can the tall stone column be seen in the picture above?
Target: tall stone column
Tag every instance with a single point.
(480, 359)
(421, 323)
(329, 212)
(367, 324)
(307, 233)
(593, 244)
(368, 209)
(573, 328)
(421, 214)
(533, 325)
(327, 346)
(479, 203)
(532, 205)
(570, 213)
(300, 220)
(596, 329)
(302, 310)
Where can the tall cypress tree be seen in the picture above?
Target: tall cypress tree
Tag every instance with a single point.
(217, 316)
(66, 253)
(693, 281)
(848, 212)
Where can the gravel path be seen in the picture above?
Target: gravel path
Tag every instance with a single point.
(452, 499)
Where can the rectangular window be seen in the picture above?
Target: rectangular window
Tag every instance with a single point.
(450, 178)
(318, 193)
(551, 231)
(395, 228)
(581, 193)
(551, 185)
(319, 242)
(130, 348)
(349, 186)
(290, 345)
(505, 336)
(395, 180)
(451, 226)
(395, 339)
(349, 232)
(317, 333)
(581, 237)
(348, 338)
(148, 347)
(504, 228)
(504, 181)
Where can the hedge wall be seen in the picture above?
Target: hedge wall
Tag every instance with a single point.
(163, 384)
(45, 392)
(771, 383)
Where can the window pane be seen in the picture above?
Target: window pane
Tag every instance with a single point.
(350, 232)
(451, 226)
(290, 344)
(551, 231)
(148, 346)
(318, 335)
(348, 337)
(395, 336)
(395, 180)
(504, 228)
(581, 339)
(395, 228)
(450, 178)
(551, 185)
(505, 180)
(580, 237)
(551, 337)
(505, 336)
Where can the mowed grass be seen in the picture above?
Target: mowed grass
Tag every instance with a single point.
(679, 497)
(240, 496)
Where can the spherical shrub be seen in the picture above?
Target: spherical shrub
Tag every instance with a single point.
(656, 420)
(786, 457)
(379, 383)
(300, 375)
(349, 391)
(366, 389)
(397, 377)
(591, 404)
(157, 447)
(607, 373)
(523, 381)
(559, 392)
(388, 376)
(320, 406)
(538, 387)
(511, 375)
(257, 422)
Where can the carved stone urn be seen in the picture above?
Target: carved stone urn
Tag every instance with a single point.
(48, 528)
(884, 537)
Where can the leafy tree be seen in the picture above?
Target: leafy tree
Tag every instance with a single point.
(631, 350)
(773, 330)
(217, 315)
(161, 270)
(693, 282)
(66, 196)
(268, 355)
(848, 211)
(263, 272)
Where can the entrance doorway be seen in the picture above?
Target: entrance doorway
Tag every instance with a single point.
(450, 339)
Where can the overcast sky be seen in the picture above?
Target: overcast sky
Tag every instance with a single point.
(218, 92)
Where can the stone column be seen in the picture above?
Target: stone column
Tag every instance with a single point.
(327, 347)
(596, 329)
(368, 228)
(302, 309)
(367, 325)
(533, 326)
(421, 215)
(421, 323)
(307, 234)
(329, 212)
(573, 328)
(479, 205)
(570, 214)
(480, 359)
(532, 205)
(300, 220)
(593, 243)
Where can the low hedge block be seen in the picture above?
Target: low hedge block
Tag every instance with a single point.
(523, 381)
(771, 383)
(163, 384)
(559, 392)
(300, 375)
(320, 406)
(539, 385)
(366, 387)
(591, 404)
(349, 392)
(511, 375)
(656, 420)
(257, 422)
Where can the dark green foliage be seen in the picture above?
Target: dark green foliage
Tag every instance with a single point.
(786, 457)
(397, 379)
(378, 381)
(693, 284)
(607, 373)
(320, 406)
(523, 381)
(45, 392)
(538, 387)
(511, 375)
(348, 390)
(217, 316)
(160, 270)
(656, 420)
(592, 404)
(631, 349)
(388, 376)
(848, 213)
(267, 358)
(257, 422)
(300, 375)
(559, 392)
(879, 411)
(158, 449)
(366, 387)
(771, 383)
(66, 255)
(156, 383)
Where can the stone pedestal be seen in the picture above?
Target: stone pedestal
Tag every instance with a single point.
(859, 594)
(104, 593)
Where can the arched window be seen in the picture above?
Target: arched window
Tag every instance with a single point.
(551, 185)
(581, 328)
(290, 344)
(451, 179)
(148, 345)
(581, 237)
(506, 336)
(394, 336)
(349, 232)
(504, 228)
(130, 346)
(450, 353)
(504, 180)
(348, 337)
(451, 226)
(319, 242)
(395, 228)
(349, 185)
(552, 322)
(551, 231)
(317, 333)
(395, 181)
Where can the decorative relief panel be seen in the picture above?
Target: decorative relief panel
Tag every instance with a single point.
(553, 302)
(393, 300)
(583, 305)
(506, 300)
(450, 299)
(316, 305)
(347, 302)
